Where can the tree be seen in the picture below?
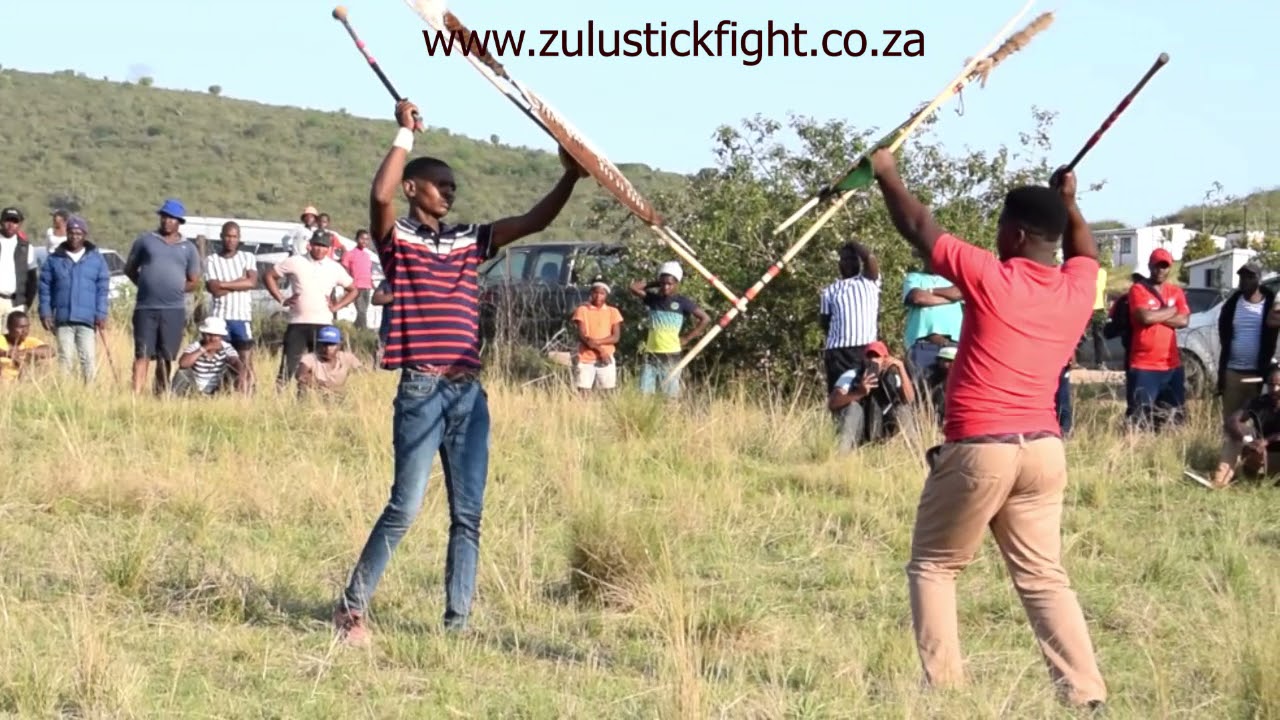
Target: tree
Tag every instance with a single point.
(1199, 247)
(728, 212)
(215, 89)
(146, 81)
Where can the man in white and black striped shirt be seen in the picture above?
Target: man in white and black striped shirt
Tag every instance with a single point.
(231, 276)
(209, 365)
(850, 311)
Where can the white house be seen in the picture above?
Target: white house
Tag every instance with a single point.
(1218, 270)
(1130, 247)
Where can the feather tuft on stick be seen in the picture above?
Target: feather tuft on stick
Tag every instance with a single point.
(472, 44)
(1013, 44)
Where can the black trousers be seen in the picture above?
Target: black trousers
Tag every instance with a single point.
(840, 360)
(299, 339)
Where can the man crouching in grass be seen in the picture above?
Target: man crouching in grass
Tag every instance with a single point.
(1252, 440)
(879, 388)
(433, 340)
(325, 371)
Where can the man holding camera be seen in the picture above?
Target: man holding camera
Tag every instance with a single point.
(869, 400)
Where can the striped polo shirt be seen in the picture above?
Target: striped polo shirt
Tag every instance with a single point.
(238, 304)
(435, 319)
(853, 304)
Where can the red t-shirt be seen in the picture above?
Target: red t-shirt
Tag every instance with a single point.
(1154, 347)
(1022, 321)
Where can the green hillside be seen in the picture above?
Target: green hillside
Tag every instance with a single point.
(1260, 210)
(114, 150)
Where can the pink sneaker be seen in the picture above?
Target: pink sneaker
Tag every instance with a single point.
(350, 627)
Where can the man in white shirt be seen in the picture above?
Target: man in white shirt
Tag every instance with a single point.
(232, 276)
(57, 234)
(849, 311)
(311, 307)
(295, 243)
(18, 268)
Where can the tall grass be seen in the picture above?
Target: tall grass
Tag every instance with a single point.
(712, 558)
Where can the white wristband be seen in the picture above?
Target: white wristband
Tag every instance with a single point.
(1248, 438)
(404, 139)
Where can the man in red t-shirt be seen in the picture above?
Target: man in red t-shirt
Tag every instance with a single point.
(1003, 464)
(1155, 384)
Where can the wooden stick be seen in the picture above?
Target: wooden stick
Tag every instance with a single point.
(951, 89)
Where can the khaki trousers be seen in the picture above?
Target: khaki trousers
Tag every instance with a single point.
(1236, 393)
(1016, 489)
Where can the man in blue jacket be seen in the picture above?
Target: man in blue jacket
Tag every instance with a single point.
(74, 283)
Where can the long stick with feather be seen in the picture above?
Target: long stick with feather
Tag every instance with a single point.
(457, 38)
(860, 175)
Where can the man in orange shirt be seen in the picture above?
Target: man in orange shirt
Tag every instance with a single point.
(599, 326)
(1155, 384)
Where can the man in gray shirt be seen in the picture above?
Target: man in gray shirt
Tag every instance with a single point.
(165, 267)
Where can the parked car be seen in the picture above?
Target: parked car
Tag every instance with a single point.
(1200, 300)
(529, 290)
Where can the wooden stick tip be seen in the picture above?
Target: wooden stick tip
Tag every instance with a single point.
(1164, 58)
(340, 13)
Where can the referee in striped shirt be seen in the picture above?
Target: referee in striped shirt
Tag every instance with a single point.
(849, 311)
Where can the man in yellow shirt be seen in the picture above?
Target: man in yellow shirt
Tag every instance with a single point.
(1097, 322)
(18, 348)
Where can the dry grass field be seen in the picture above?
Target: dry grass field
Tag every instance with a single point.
(709, 560)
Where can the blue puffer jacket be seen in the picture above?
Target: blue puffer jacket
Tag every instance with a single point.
(74, 292)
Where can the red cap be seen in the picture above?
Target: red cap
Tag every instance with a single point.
(1160, 255)
(878, 348)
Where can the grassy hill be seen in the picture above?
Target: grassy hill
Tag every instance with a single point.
(114, 150)
(1260, 209)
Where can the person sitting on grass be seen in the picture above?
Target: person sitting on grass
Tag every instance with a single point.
(1252, 436)
(210, 364)
(870, 400)
(18, 349)
(326, 370)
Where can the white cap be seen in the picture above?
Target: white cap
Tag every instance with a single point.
(672, 268)
(213, 326)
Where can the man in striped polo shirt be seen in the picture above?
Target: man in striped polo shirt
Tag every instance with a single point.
(433, 340)
(232, 275)
(849, 311)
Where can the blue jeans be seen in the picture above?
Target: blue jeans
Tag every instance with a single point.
(653, 372)
(1155, 397)
(433, 414)
(1062, 402)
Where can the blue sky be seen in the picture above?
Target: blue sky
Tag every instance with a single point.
(1209, 115)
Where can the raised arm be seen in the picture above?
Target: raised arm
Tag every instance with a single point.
(389, 178)
(508, 230)
(870, 265)
(1077, 241)
(910, 216)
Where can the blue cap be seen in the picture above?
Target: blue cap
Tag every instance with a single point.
(329, 334)
(173, 208)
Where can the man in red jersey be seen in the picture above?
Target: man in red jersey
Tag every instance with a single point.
(1003, 465)
(432, 339)
(1155, 383)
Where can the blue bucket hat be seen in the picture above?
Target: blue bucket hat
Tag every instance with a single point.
(174, 209)
(329, 334)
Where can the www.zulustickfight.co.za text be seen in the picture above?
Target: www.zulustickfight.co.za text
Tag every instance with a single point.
(723, 39)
